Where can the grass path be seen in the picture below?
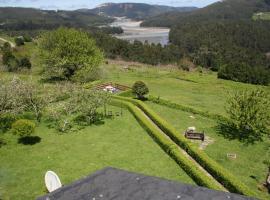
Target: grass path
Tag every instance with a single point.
(182, 151)
(252, 174)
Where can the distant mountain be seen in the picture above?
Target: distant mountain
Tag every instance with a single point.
(223, 10)
(135, 10)
(31, 16)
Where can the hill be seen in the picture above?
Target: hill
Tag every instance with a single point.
(135, 10)
(29, 18)
(224, 10)
(225, 37)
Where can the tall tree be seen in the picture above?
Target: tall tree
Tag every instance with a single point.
(68, 54)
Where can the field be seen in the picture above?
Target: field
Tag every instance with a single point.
(200, 91)
(77, 154)
(217, 147)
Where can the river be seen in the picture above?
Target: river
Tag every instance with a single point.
(133, 31)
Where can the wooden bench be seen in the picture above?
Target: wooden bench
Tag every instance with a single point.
(195, 135)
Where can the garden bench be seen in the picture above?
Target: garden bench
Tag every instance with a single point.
(194, 135)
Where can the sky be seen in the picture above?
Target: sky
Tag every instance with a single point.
(76, 4)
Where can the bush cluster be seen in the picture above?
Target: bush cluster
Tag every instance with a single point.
(170, 147)
(6, 121)
(23, 127)
(218, 172)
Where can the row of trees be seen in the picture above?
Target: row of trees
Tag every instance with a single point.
(153, 54)
(23, 100)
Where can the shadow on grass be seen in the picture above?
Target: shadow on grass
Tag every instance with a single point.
(230, 132)
(29, 140)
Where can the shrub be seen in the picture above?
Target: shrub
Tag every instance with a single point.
(23, 127)
(140, 89)
(27, 38)
(2, 142)
(25, 63)
(19, 41)
(6, 121)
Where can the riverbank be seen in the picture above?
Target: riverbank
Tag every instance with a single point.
(133, 31)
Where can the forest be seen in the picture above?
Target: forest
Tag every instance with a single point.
(224, 37)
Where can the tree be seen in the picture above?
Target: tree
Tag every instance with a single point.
(249, 114)
(68, 54)
(10, 102)
(140, 89)
(18, 96)
(86, 102)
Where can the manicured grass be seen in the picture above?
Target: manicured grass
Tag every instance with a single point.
(248, 166)
(204, 92)
(120, 143)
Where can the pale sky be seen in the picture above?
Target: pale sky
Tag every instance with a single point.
(76, 4)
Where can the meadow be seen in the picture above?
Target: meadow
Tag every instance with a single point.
(79, 153)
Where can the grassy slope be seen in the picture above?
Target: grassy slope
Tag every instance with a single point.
(204, 92)
(79, 154)
(220, 147)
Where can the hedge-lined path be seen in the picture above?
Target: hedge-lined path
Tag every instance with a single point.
(184, 152)
(180, 150)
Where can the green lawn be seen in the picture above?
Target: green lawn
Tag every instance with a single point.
(119, 143)
(204, 92)
(249, 161)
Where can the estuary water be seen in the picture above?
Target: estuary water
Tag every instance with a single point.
(133, 31)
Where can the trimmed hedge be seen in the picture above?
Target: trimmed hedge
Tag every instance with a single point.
(222, 175)
(170, 104)
(23, 127)
(170, 147)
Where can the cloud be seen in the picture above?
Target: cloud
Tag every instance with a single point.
(71, 4)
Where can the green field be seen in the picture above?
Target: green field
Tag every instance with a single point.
(252, 174)
(79, 154)
(121, 142)
(200, 91)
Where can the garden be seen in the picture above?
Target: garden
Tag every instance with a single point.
(56, 117)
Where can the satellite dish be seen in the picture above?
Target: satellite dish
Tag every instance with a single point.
(52, 181)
